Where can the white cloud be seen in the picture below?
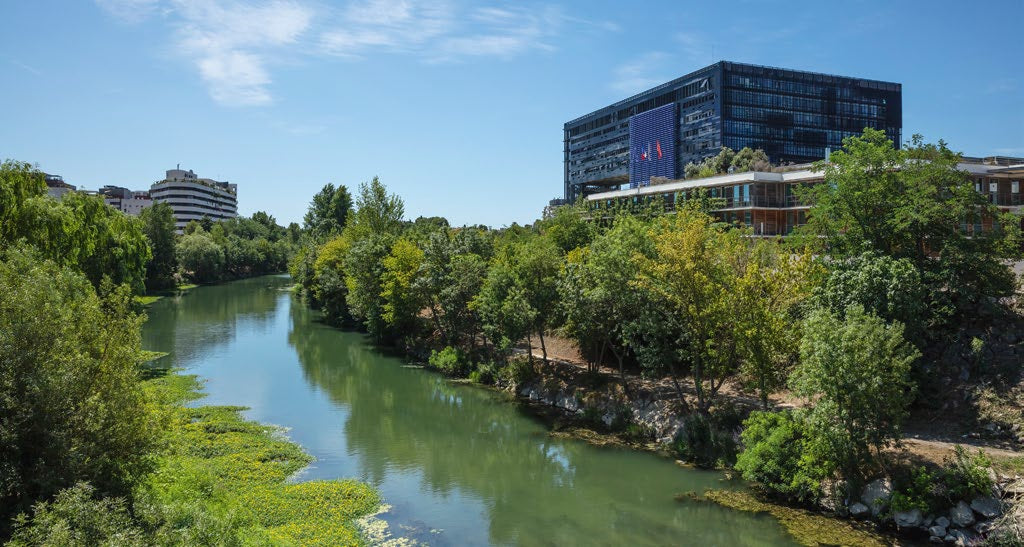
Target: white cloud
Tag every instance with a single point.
(229, 43)
(645, 71)
(438, 31)
(233, 44)
(129, 11)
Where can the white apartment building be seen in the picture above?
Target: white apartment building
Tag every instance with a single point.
(127, 201)
(192, 198)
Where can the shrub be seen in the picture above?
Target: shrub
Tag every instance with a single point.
(485, 373)
(779, 456)
(449, 360)
(75, 518)
(704, 441)
(917, 490)
(966, 475)
(517, 372)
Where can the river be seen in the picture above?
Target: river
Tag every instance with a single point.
(458, 465)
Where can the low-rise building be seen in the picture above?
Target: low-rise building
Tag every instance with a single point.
(767, 201)
(56, 187)
(130, 202)
(192, 198)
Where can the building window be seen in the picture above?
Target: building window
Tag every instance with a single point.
(1015, 186)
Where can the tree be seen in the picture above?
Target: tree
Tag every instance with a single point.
(402, 300)
(158, 225)
(888, 287)
(505, 313)
(201, 257)
(568, 228)
(856, 369)
(748, 159)
(328, 212)
(71, 405)
(535, 265)
(909, 204)
(19, 182)
(377, 212)
(598, 307)
(692, 318)
(363, 267)
(780, 455)
(769, 292)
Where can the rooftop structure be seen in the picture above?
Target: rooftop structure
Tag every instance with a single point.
(130, 202)
(794, 116)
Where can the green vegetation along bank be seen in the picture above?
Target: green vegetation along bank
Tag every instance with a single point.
(91, 453)
(861, 312)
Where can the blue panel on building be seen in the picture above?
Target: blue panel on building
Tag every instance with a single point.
(652, 145)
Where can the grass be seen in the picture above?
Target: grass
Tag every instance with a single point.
(223, 479)
(806, 527)
(147, 300)
(187, 286)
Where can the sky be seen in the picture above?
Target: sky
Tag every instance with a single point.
(457, 106)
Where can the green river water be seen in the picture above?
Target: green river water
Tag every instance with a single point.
(458, 465)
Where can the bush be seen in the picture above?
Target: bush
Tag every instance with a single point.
(485, 373)
(779, 456)
(966, 475)
(705, 441)
(917, 490)
(450, 361)
(75, 518)
(517, 372)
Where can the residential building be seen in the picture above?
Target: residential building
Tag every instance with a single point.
(192, 198)
(767, 202)
(56, 187)
(127, 201)
(794, 116)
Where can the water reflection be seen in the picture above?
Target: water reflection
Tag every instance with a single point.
(459, 465)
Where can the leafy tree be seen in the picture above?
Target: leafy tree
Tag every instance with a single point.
(692, 318)
(856, 370)
(158, 225)
(363, 265)
(201, 257)
(909, 204)
(748, 159)
(328, 280)
(599, 309)
(769, 293)
(19, 182)
(328, 212)
(402, 300)
(535, 265)
(377, 212)
(505, 313)
(71, 406)
(568, 228)
(888, 287)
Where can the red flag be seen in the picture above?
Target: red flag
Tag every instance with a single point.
(657, 144)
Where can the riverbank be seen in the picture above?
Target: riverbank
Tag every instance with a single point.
(224, 479)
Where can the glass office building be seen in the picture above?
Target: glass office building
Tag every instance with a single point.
(793, 116)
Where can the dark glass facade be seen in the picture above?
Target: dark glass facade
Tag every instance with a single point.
(793, 116)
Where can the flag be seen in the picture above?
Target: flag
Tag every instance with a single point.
(643, 155)
(657, 144)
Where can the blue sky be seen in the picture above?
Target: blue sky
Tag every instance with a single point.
(457, 106)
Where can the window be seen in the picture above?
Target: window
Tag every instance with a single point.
(1015, 186)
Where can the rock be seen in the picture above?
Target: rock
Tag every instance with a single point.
(948, 539)
(876, 495)
(908, 519)
(937, 531)
(859, 510)
(961, 515)
(942, 521)
(964, 537)
(936, 539)
(985, 527)
(987, 507)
